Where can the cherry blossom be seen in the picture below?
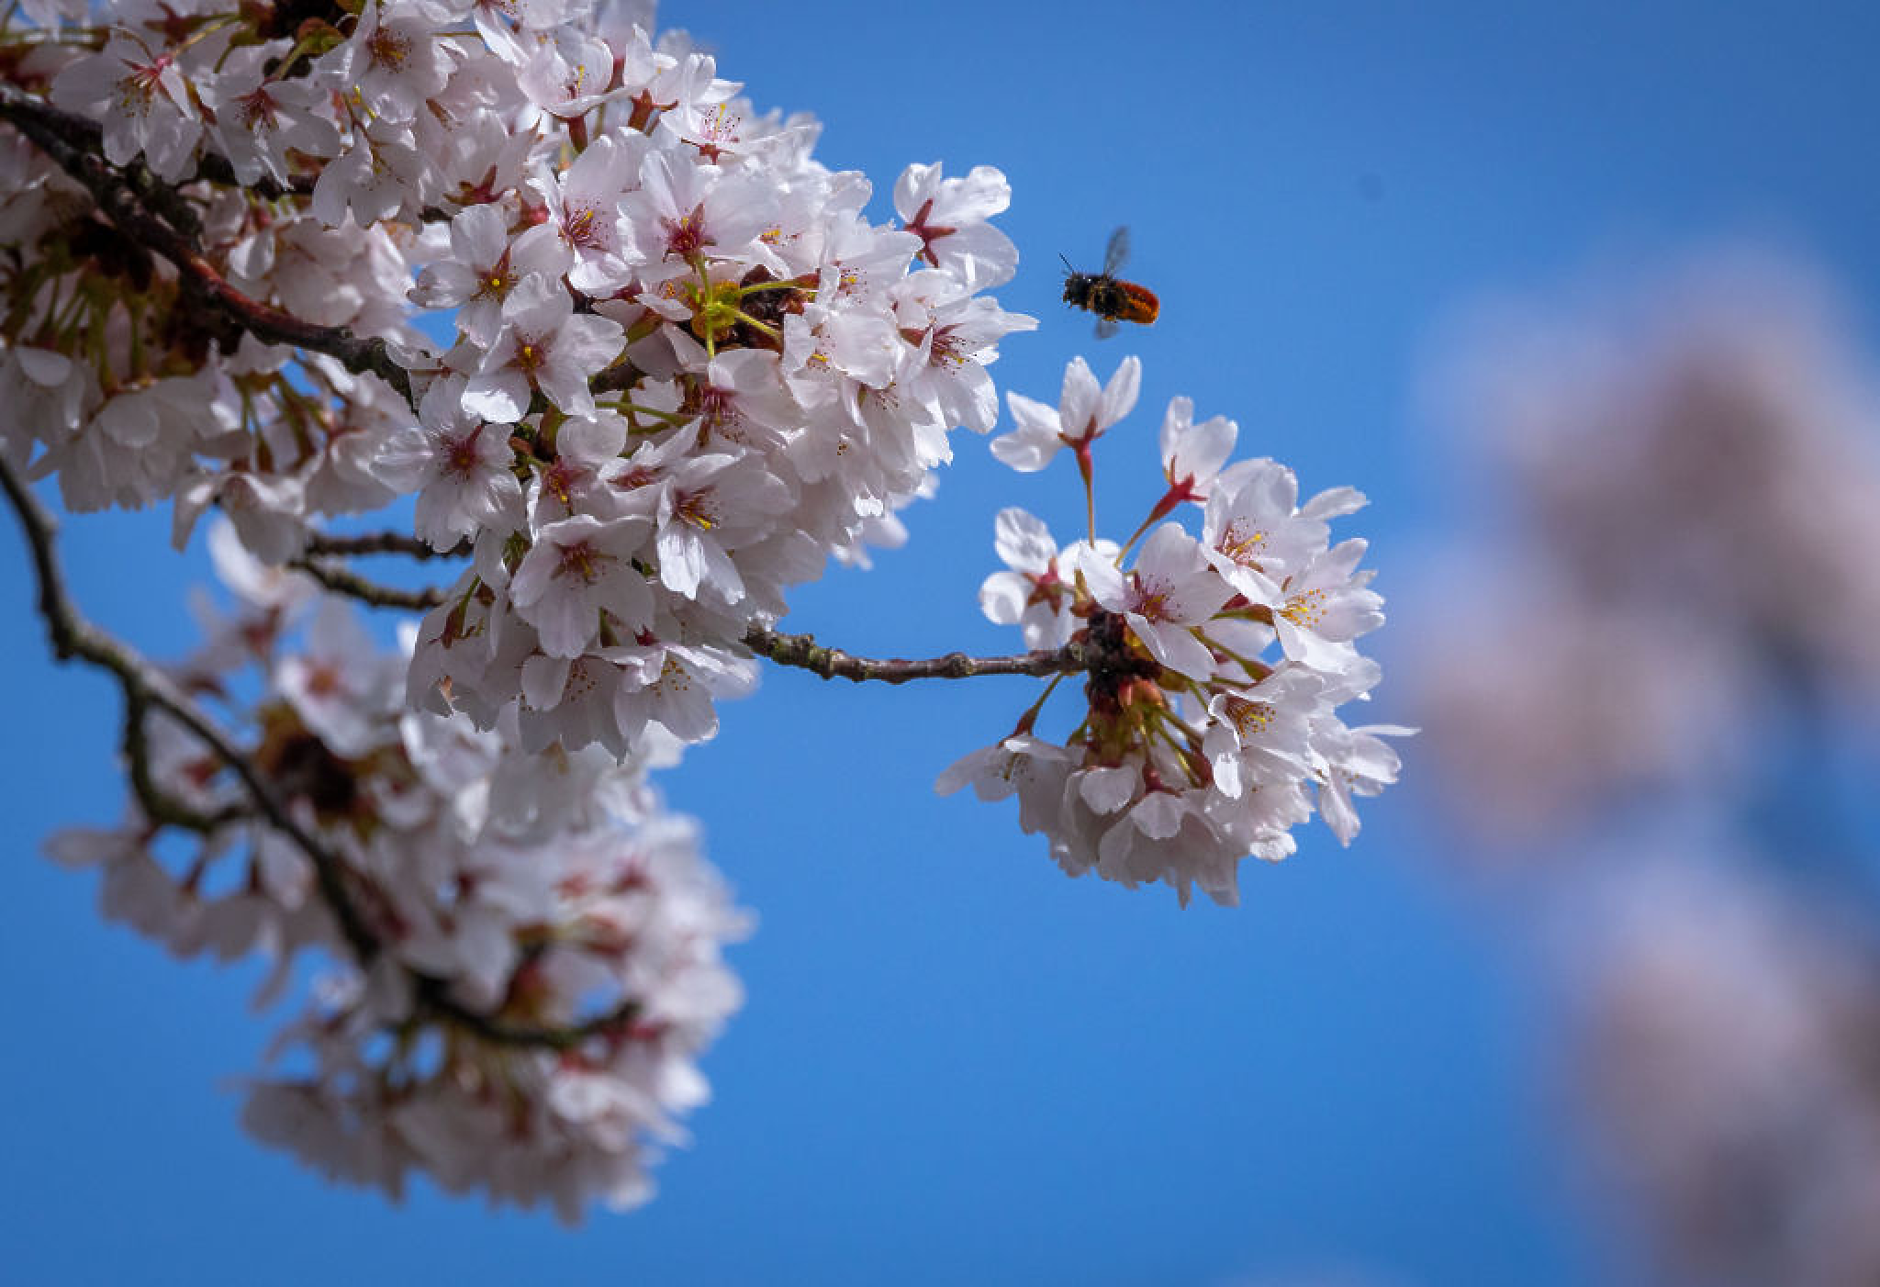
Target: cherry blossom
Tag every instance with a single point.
(584, 220)
(1037, 594)
(949, 216)
(258, 119)
(140, 96)
(575, 571)
(459, 465)
(481, 269)
(392, 64)
(544, 347)
(638, 366)
(1216, 662)
(1084, 411)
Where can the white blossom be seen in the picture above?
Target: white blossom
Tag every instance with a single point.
(1216, 663)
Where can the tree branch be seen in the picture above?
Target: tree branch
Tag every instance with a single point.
(341, 580)
(159, 806)
(799, 651)
(118, 198)
(382, 543)
(87, 135)
(432, 992)
(147, 688)
(803, 652)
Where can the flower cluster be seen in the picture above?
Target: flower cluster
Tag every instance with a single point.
(537, 949)
(1216, 661)
(641, 365)
(685, 369)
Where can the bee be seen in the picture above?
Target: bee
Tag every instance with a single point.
(1111, 300)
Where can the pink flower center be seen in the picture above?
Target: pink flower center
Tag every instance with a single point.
(498, 281)
(928, 233)
(322, 681)
(717, 409)
(696, 509)
(460, 455)
(582, 560)
(1242, 546)
(388, 49)
(561, 479)
(256, 110)
(686, 237)
(1149, 599)
(579, 228)
(948, 348)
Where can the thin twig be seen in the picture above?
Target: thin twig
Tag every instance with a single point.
(344, 581)
(147, 688)
(432, 992)
(382, 543)
(158, 805)
(803, 652)
(800, 651)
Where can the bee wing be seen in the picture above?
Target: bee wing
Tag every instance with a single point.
(1119, 251)
(1106, 327)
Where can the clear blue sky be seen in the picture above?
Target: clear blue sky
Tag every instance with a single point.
(955, 1064)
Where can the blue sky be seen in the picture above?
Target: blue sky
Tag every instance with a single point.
(954, 1063)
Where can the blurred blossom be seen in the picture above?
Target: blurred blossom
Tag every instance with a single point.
(1691, 483)
(1540, 713)
(1728, 1037)
(1712, 448)
(1664, 641)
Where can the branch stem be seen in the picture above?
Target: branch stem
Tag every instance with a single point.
(148, 688)
(323, 543)
(341, 580)
(804, 653)
(133, 199)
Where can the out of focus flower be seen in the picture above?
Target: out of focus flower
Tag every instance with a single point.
(1542, 719)
(1692, 480)
(1711, 448)
(546, 948)
(1729, 1057)
(1675, 627)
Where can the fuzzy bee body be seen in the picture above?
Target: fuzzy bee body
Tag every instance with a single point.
(1109, 297)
